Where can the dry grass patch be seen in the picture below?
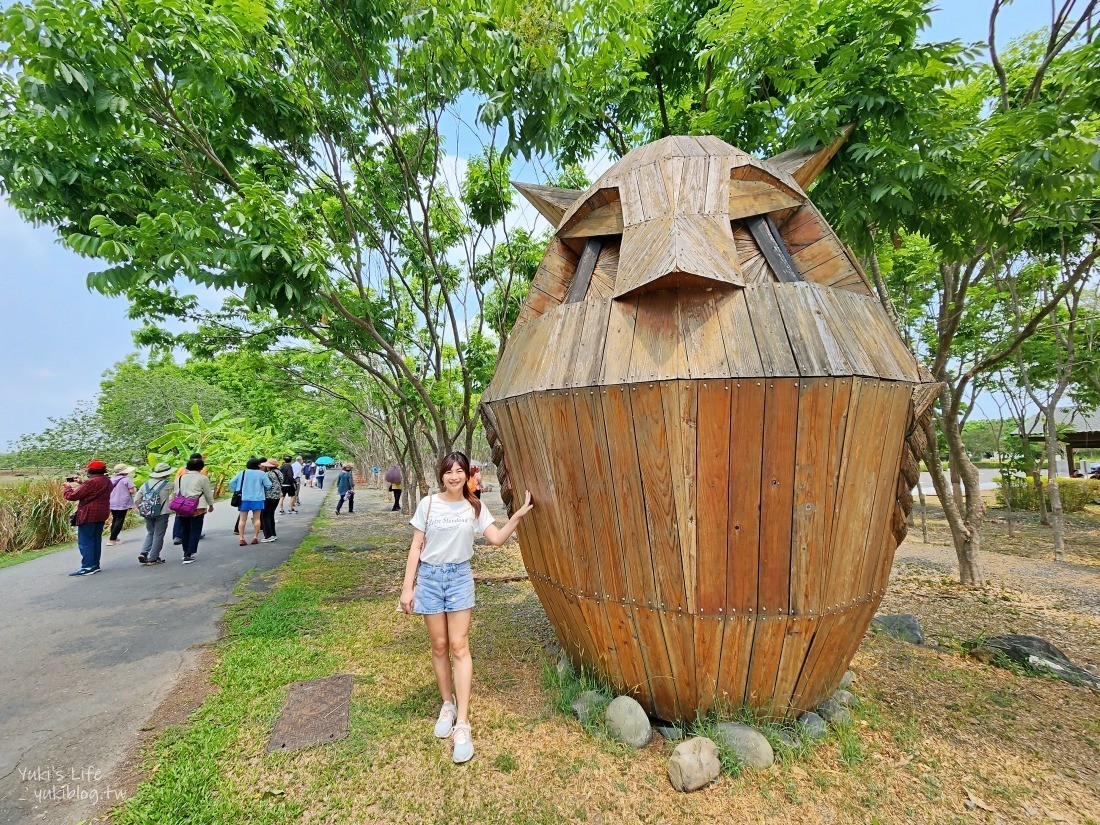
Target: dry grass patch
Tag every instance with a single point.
(939, 738)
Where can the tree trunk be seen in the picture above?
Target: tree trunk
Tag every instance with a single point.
(1040, 494)
(923, 512)
(1057, 518)
(965, 524)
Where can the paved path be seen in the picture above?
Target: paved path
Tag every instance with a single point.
(84, 662)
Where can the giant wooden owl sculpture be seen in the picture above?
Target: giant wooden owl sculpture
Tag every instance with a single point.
(717, 421)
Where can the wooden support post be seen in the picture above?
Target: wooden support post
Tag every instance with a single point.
(585, 268)
(766, 235)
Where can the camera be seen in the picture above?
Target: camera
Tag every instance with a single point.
(72, 478)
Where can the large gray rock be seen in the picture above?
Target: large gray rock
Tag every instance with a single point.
(834, 713)
(587, 706)
(846, 680)
(694, 764)
(846, 699)
(1037, 654)
(813, 725)
(749, 745)
(627, 721)
(564, 669)
(673, 733)
(904, 626)
(788, 739)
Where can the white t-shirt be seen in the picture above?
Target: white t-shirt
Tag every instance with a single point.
(296, 468)
(451, 530)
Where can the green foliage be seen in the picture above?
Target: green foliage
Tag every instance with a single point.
(1020, 493)
(33, 514)
(486, 190)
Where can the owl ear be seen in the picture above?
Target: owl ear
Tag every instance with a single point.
(551, 201)
(804, 165)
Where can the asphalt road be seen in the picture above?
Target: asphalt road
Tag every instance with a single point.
(85, 661)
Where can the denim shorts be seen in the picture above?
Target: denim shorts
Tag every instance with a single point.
(443, 588)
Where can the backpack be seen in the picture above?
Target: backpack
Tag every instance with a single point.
(151, 505)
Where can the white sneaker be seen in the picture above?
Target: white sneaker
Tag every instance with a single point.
(268, 540)
(464, 743)
(446, 720)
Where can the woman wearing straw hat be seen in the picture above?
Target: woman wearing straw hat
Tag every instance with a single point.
(122, 499)
(152, 505)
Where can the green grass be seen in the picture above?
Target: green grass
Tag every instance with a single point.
(266, 647)
(12, 559)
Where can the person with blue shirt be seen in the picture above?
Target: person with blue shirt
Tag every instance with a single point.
(252, 483)
(345, 488)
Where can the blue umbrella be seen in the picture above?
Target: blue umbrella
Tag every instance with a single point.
(326, 460)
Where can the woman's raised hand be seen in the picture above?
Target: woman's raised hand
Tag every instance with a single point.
(528, 505)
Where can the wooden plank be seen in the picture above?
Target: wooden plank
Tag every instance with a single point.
(679, 632)
(777, 495)
(858, 360)
(693, 185)
(717, 198)
(712, 484)
(600, 491)
(593, 338)
(811, 474)
(767, 648)
(772, 248)
(651, 189)
(620, 340)
(802, 332)
(559, 361)
(633, 210)
(796, 644)
(659, 500)
(708, 633)
(689, 147)
(702, 332)
(838, 450)
(776, 357)
(607, 267)
(537, 336)
(733, 673)
(680, 400)
(742, 354)
(629, 495)
(672, 172)
(658, 351)
(658, 665)
(855, 495)
(812, 301)
(606, 220)
(628, 646)
(748, 198)
(744, 459)
(579, 288)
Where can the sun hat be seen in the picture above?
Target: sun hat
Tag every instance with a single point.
(271, 464)
(96, 467)
(162, 470)
(124, 469)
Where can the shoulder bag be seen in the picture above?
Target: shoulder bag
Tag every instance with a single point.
(181, 505)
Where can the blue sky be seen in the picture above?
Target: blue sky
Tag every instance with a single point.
(58, 338)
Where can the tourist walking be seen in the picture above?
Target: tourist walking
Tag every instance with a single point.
(287, 486)
(271, 498)
(307, 473)
(193, 485)
(152, 505)
(345, 488)
(320, 476)
(177, 528)
(93, 499)
(440, 586)
(122, 499)
(297, 467)
(250, 485)
(396, 480)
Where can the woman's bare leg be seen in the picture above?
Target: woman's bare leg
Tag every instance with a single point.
(256, 523)
(441, 663)
(242, 520)
(458, 637)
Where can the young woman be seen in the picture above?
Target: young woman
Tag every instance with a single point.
(271, 500)
(252, 483)
(122, 499)
(194, 484)
(440, 586)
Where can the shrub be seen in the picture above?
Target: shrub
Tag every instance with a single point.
(1020, 493)
(33, 514)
